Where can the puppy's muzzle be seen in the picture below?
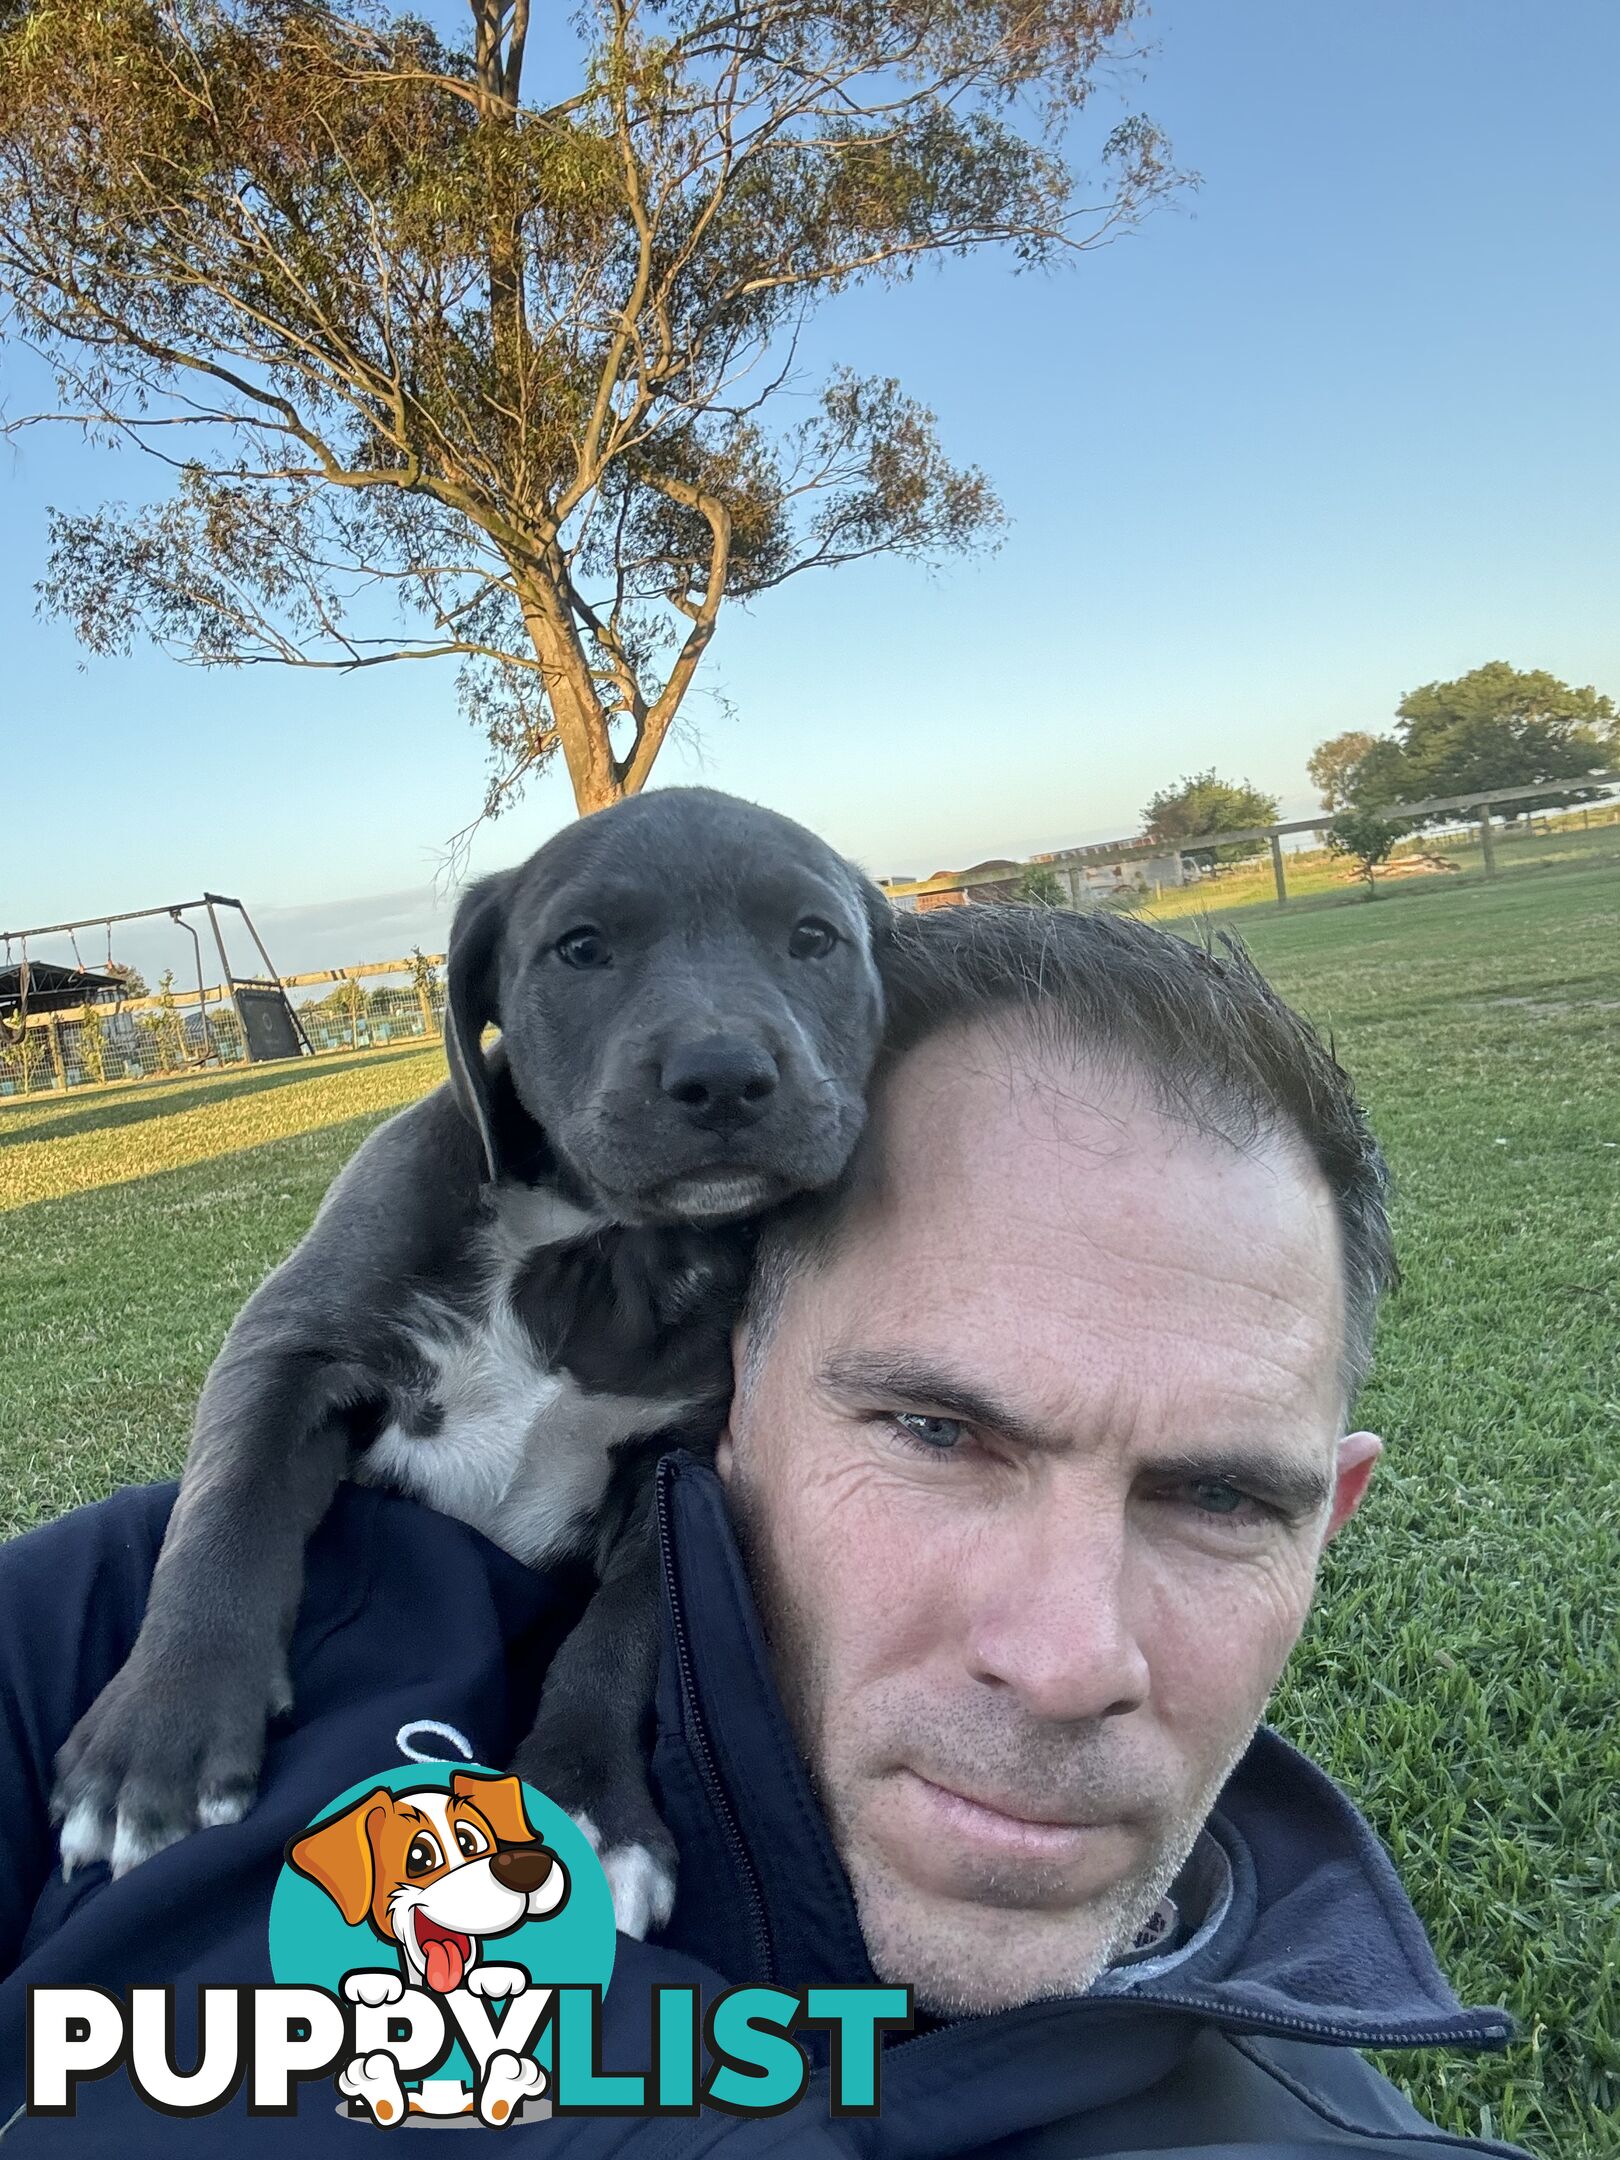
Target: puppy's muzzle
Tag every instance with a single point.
(522, 1868)
(722, 1082)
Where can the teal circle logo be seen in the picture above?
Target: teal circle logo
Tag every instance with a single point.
(450, 1898)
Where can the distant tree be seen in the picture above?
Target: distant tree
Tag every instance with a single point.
(1380, 775)
(1332, 762)
(446, 370)
(92, 1042)
(425, 982)
(350, 1001)
(1367, 839)
(1500, 727)
(1040, 886)
(131, 982)
(1201, 803)
(166, 1026)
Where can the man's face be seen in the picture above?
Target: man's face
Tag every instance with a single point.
(1034, 1475)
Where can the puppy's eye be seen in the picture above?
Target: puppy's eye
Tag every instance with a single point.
(470, 1842)
(584, 948)
(424, 1854)
(812, 939)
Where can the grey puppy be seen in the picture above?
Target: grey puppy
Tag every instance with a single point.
(513, 1297)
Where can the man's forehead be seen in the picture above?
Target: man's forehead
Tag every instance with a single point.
(979, 1110)
(1048, 1216)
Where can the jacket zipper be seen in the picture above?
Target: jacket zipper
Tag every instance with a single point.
(719, 1800)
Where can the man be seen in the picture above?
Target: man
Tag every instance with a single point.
(1038, 1437)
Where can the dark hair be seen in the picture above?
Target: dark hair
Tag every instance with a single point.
(1198, 1023)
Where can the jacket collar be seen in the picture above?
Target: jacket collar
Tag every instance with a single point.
(1319, 1941)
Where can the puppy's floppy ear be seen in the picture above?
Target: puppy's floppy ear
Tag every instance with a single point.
(879, 916)
(500, 1801)
(339, 1856)
(472, 1003)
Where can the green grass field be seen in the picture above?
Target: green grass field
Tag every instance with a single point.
(1462, 1672)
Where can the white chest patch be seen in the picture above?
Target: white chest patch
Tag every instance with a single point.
(523, 1451)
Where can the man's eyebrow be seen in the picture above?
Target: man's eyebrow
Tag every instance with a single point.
(1287, 1483)
(1295, 1487)
(915, 1385)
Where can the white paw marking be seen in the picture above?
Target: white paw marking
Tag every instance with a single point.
(373, 1988)
(508, 2081)
(132, 1846)
(215, 1810)
(643, 1889)
(495, 1981)
(374, 2079)
(84, 1837)
(589, 1832)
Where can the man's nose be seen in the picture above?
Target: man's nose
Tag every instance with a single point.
(521, 1867)
(722, 1082)
(1056, 1622)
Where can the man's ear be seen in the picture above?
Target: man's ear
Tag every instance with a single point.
(1358, 1455)
(338, 1855)
(472, 1003)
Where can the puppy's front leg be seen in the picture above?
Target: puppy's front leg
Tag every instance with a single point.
(174, 1742)
(588, 1749)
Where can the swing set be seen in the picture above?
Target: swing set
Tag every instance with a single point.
(48, 997)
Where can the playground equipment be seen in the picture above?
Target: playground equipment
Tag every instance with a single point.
(57, 1017)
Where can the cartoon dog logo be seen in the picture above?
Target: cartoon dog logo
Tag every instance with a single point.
(435, 1872)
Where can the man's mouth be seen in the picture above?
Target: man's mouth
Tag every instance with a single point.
(1006, 1823)
(445, 1951)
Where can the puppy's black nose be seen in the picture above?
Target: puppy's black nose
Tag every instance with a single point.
(521, 1867)
(722, 1082)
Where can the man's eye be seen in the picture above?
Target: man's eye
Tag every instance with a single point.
(1214, 1496)
(930, 1435)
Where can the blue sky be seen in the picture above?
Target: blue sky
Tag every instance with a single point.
(1342, 422)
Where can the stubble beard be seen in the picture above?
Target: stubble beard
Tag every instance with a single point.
(994, 1952)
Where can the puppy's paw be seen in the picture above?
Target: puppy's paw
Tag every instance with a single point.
(640, 1875)
(373, 1988)
(496, 1981)
(373, 2080)
(508, 2081)
(153, 1759)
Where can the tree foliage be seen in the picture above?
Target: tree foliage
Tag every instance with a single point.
(1367, 839)
(1500, 727)
(1040, 886)
(1496, 727)
(444, 372)
(1200, 804)
(1331, 764)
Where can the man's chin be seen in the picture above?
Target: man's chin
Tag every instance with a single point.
(968, 1956)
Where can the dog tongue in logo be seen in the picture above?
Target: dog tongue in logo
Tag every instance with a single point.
(446, 1953)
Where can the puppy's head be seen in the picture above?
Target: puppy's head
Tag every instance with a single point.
(689, 999)
(434, 1870)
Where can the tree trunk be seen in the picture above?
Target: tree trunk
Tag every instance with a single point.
(576, 709)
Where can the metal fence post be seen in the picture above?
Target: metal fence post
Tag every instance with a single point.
(1277, 871)
(1487, 845)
